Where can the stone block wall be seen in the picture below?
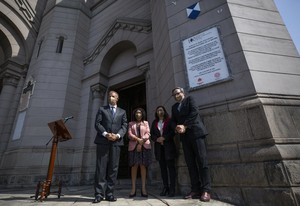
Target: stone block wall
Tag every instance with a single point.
(254, 152)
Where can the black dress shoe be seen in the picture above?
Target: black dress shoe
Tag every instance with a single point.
(97, 199)
(171, 193)
(111, 198)
(132, 195)
(164, 191)
(144, 195)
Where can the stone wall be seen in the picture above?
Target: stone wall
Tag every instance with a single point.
(253, 154)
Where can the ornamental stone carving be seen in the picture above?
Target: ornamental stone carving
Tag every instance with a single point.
(135, 25)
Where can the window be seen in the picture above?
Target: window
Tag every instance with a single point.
(19, 125)
(60, 44)
(39, 48)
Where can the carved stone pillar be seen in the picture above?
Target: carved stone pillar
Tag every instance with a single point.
(10, 83)
(98, 93)
(98, 97)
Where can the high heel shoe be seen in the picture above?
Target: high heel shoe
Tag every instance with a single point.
(132, 195)
(144, 195)
(164, 191)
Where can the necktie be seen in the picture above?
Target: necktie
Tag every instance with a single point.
(113, 111)
(179, 106)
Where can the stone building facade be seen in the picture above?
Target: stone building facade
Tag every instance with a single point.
(59, 58)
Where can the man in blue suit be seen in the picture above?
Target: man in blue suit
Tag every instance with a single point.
(111, 126)
(192, 135)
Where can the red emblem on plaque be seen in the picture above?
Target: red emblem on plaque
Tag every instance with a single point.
(217, 74)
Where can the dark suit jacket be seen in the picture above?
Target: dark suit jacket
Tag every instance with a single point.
(169, 144)
(106, 122)
(189, 116)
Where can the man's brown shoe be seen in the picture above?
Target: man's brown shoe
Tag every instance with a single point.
(205, 197)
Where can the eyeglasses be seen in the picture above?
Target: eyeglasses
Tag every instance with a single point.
(176, 94)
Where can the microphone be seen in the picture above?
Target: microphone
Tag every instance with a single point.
(67, 118)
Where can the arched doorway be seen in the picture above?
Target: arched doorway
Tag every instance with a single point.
(131, 97)
(119, 67)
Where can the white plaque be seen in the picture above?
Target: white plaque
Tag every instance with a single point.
(204, 59)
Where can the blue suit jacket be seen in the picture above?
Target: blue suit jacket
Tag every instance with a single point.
(106, 122)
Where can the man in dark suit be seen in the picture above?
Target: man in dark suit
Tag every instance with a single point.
(192, 135)
(111, 126)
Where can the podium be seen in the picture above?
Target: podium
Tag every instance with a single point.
(60, 133)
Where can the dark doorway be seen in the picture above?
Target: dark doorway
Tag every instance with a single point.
(130, 98)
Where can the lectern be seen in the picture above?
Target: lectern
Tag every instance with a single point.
(60, 133)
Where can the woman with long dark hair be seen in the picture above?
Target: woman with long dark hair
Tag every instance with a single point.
(139, 148)
(162, 135)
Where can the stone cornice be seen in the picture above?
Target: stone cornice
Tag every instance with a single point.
(10, 79)
(144, 67)
(135, 25)
(102, 4)
(250, 101)
(11, 67)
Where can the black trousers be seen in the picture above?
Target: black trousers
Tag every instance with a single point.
(107, 165)
(196, 160)
(168, 171)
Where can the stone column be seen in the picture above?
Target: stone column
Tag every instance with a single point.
(98, 93)
(98, 97)
(10, 83)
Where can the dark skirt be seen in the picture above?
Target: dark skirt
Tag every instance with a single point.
(141, 158)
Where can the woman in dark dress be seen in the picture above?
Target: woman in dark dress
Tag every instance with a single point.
(139, 148)
(162, 135)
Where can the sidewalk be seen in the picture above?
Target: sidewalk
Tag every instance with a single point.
(83, 195)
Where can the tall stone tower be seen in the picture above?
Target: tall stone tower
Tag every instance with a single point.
(50, 90)
(253, 116)
(59, 58)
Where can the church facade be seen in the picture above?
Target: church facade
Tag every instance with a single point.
(59, 58)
